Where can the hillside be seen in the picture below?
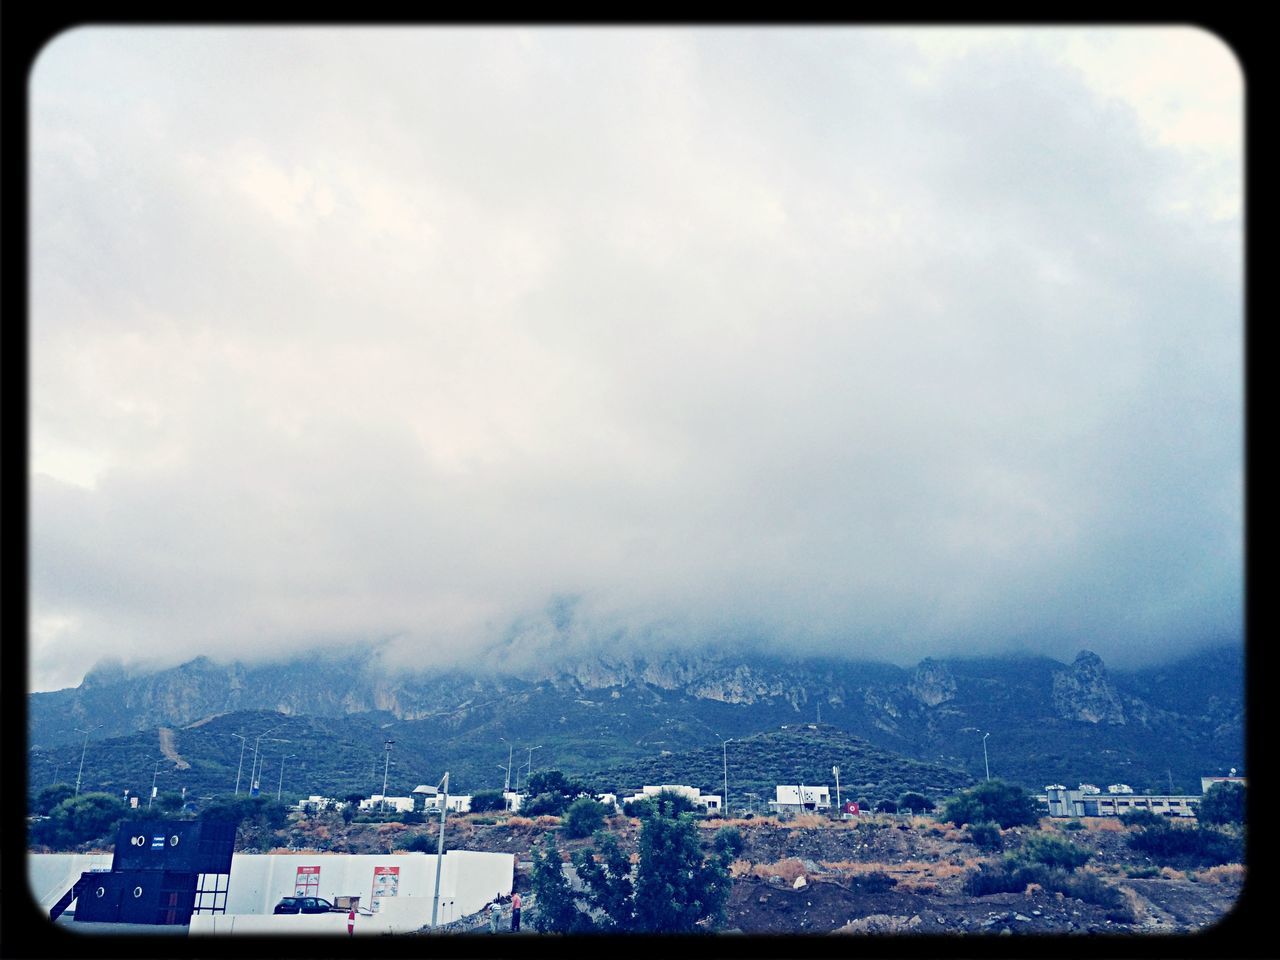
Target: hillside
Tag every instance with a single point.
(1048, 721)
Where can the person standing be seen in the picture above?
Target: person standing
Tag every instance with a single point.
(515, 913)
(495, 916)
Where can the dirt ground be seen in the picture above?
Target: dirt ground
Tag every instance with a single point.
(884, 874)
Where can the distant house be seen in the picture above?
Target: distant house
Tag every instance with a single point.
(1207, 782)
(512, 800)
(379, 802)
(707, 802)
(801, 799)
(608, 799)
(315, 803)
(1062, 802)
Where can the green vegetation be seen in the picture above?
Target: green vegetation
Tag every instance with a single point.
(1142, 818)
(674, 889)
(992, 801)
(88, 818)
(583, 818)
(985, 836)
(728, 843)
(1053, 851)
(915, 802)
(483, 801)
(666, 803)
(1223, 803)
(1178, 845)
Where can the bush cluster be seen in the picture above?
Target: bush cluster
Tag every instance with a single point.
(992, 801)
(1186, 846)
(985, 836)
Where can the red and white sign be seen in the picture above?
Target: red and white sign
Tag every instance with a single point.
(386, 883)
(851, 806)
(306, 882)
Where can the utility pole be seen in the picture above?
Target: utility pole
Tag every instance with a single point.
(386, 768)
(984, 755)
(253, 776)
(82, 753)
(506, 787)
(280, 784)
(444, 805)
(531, 749)
(725, 745)
(154, 773)
(244, 742)
(839, 807)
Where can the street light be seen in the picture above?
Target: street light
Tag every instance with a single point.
(386, 768)
(984, 755)
(444, 805)
(725, 744)
(82, 753)
(280, 784)
(154, 773)
(531, 749)
(256, 773)
(253, 776)
(244, 742)
(506, 787)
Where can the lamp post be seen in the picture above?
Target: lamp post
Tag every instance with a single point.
(836, 772)
(444, 805)
(82, 753)
(280, 783)
(984, 755)
(386, 768)
(244, 742)
(255, 781)
(506, 787)
(154, 773)
(725, 745)
(531, 749)
(253, 776)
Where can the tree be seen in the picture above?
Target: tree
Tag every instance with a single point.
(50, 797)
(82, 819)
(728, 842)
(1054, 852)
(667, 803)
(886, 806)
(557, 907)
(915, 802)
(675, 887)
(993, 800)
(607, 877)
(1223, 803)
(583, 818)
(482, 801)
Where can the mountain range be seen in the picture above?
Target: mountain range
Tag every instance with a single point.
(1046, 721)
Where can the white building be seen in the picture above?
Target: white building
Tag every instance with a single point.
(1062, 802)
(1117, 788)
(513, 800)
(801, 799)
(315, 803)
(394, 889)
(1207, 782)
(379, 802)
(708, 802)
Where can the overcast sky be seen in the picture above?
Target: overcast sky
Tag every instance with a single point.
(880, 343)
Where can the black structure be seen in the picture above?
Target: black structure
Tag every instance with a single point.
(162, 871)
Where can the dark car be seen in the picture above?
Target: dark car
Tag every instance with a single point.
(303, 905)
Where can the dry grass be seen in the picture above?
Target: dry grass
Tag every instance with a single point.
(1225, 873)
(739, 868)
(518, 822)
(1103, 824)
(807, 820)
(546, 821)
(1169, 873)
(1032, 890)
(717, 823)
(789, 870)
(1136, 905)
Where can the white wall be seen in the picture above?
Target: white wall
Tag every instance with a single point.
(470, 880)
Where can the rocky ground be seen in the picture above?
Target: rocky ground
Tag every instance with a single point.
(881, 874)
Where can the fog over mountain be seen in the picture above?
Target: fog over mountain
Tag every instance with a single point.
(492, 345)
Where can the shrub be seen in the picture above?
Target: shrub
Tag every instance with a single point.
(985, 836)
(728, 842)
(994, 800)
(1054, 852)
(1142, 873)
(1073, 825)
(1142, 818)
(1186, 846)
(484, 801)
(545, 804)
(1223, 803)
(417, 843)
(887, 806)
(583, 818)
(915, 802)
(875, 882)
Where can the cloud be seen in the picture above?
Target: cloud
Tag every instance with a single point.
(839, 341)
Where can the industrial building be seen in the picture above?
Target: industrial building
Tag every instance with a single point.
(1088, 801)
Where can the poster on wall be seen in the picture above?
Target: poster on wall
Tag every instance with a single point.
(306, 882)
(386, 883)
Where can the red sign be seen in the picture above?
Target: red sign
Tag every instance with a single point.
(851, 806)
(386, 883)
(306, 882)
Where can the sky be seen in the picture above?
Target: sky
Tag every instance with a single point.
(878, 343)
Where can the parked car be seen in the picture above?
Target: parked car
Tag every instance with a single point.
(303, 905)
